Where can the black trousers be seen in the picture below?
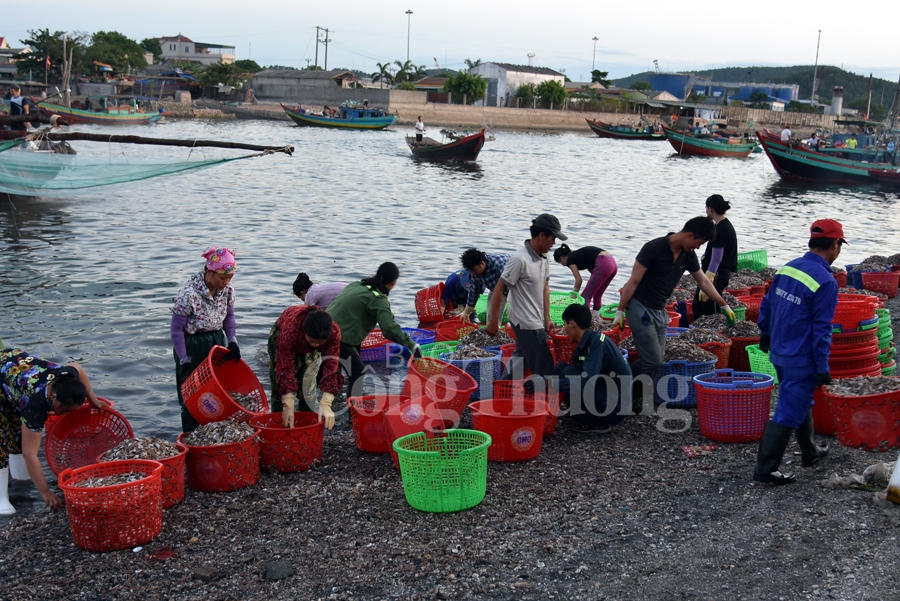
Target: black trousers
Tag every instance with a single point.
(353, 365)
(709, 307)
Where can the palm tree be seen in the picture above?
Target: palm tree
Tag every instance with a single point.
(383, 74)
(403, 71)
(419, 73)
(471, 64)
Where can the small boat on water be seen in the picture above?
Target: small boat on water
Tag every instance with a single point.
(886, 177)
(709, 146)
(109, 110)
(350, 116)
(457, 149)
(799, 162)
(619, 132)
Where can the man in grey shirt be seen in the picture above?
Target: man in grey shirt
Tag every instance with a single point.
(527, 276)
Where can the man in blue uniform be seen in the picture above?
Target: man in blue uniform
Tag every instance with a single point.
(596, 404)
(795, 319)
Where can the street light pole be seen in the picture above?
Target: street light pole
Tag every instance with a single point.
(595, 54)
(408, 19)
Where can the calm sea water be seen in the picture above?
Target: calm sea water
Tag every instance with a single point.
(91, 277)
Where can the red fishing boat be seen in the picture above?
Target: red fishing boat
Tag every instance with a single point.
(713, 146)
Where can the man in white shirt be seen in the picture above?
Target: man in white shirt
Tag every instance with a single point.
(786, 134)
(420, 130)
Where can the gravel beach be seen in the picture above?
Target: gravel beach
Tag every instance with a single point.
(624, 515)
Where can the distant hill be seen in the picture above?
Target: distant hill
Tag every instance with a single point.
(855, 86)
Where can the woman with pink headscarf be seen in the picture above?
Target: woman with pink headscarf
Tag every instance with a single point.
(203, 317)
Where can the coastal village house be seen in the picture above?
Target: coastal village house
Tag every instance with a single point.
(182, 48)
(504, 79)
(8, 60)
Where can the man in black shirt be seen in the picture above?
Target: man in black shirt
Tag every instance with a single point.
(656, 272)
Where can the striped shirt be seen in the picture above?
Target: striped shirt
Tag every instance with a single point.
(488, 279)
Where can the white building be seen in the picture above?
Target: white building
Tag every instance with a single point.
(185, 49)
(504, 79)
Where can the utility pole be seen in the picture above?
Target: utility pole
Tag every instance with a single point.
(317, 46)
(408, 21)
(869, 101)
(812, 98)
(326, 49)
(594, 60)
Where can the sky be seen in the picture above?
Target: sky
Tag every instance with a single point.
(630, 35)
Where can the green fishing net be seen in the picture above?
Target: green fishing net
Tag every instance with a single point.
(38, 173)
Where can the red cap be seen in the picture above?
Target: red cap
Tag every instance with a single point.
(827, 228)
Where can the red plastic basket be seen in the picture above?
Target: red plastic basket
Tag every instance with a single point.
(753, 303)
(172, 476)
(206, 391)
(722, 350)
(875, 370)
(738, 360)
(223, 467)
(513, 389)
(110, 518)
(846, 351)
(738, 291)
(289, 450)
(563, 347)
(674, 318)
(447, 385)
(419, 414)
(757, 290)
(79, 437)
(367, 416)
(853, 338)
(618, 335)
(850, 313)
(841, 278)
(53, 417)
(737, 414)
(428, 304)
(870, 422)
(885, 282)
(823, 420)
(452, 330)
(516, 427)
(859, 362)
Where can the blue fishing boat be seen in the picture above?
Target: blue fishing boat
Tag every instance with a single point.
(349, 116)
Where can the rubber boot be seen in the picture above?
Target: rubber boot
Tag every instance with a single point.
(17, 468)
(6, 507)
(810, 451)
(771, 451)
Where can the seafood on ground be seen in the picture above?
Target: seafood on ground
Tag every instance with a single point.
(482, 339)
(110, 480)
(226, 432)
(863, 386)
(142, 448)
(468, 351)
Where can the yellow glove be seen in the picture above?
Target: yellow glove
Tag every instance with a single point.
(325, 411)
(619, 321)
(712, 278)
(287, 413)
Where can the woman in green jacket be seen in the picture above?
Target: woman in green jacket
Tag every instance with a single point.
(356, 310)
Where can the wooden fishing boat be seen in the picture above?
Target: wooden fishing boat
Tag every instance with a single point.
(687, 145)
(108, 110)
(605, 130)
(797, 162)
(886, 177)
(349, 117)
(458, 149)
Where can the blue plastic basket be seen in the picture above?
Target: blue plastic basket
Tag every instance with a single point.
(679, 390)
(484, 371)
(868, 324)
(383, 353)
(673, 332)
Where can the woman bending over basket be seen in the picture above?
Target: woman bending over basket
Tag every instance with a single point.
(30, 388)
(304, 347)
(601, 265)
(357, 309)
(320, 295)
(202, 317)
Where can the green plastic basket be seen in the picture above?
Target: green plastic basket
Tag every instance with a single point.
(759, 362)
(444, 473)
(481, 307)
(886, 356)
(884, 339)
(609, 311)
(434, 349)
(754, 259)
(558, 303)
(888, 371)
(884, 315)
(740, 314)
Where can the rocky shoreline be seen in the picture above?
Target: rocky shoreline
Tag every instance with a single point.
(626, 515)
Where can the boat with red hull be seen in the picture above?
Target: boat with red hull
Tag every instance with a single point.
(461, 149)
(605, 130)
(687, 145)
(886, 177)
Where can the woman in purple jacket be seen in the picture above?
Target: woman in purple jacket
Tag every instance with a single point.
(319, 295)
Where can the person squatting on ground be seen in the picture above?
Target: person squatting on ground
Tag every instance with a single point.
(30, 388)
(719, 260)
(527, 277)
(486, 269)
(456, 290)
(356, 310)
(795, 319)
(657, 269)
(601, 265)
(202, 317)
(592, 386)
(304, 347)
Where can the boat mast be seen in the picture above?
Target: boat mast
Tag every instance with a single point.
(812, 97)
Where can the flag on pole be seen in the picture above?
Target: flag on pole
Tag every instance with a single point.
(47, 62)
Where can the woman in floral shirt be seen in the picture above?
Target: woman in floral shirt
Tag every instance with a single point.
(30, 388)
(202, 317)
(304, 348)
